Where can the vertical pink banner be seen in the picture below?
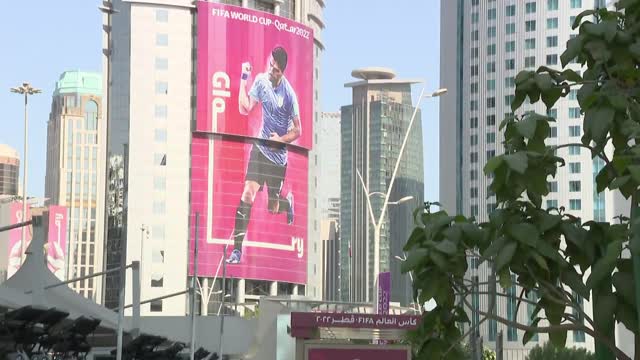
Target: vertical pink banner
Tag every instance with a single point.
(57, 240)
(15, 238)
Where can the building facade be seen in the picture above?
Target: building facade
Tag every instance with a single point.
(329, 202)
(75, 172)
(372, 130)
(150, 62)
(484, 46)
(9, 171)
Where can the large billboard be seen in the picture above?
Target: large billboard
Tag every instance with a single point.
(249, 175)
(16, 247)
(57, 240)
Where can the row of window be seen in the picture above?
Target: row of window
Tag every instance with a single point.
(531, 7)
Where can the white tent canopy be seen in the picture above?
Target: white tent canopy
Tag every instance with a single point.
(26, 287)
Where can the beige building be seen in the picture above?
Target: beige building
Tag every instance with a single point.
(75, 172)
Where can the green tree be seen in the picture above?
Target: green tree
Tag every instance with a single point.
(551, 352)
(549, 252)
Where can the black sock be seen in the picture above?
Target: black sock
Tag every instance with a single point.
(283, 206)
(242, 222)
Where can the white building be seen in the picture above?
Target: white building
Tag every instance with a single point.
(484, 45)
(151, 107)
(75, 173)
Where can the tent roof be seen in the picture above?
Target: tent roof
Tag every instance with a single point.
(25, 288)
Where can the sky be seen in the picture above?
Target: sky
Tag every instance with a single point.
(402, 35)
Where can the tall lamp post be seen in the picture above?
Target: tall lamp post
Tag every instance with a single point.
(377, 224)
(25, 89)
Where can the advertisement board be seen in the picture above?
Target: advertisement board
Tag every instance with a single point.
(249, 155)
(384, 293)
(15, 237)
(57, 240)
(353, 352)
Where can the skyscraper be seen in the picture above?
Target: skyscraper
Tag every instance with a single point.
(9, 170)
(484, 45)
(75, 172)
(373, 128)
(329, 201)
(151, 66)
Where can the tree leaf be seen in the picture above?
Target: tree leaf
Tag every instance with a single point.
(574, 47)
(571, 75)
(574, 280)
(494, 247)
(528, 335)
(625, 286)
(439, 260)
(446, 246)
(606, 307)
(605, 265)
(505, 255)
(558, 338)
(527, 127)
(525, 233)
(539, 260)
(517, 162)
(415, 257)
(627, 315)
(619, 182)
(634, 170)
(493, 164)
(597, 123)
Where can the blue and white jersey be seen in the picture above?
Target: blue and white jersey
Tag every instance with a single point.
(279, 108)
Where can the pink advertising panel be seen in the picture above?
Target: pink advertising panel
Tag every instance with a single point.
(353, 354)
(15, 238)
(272, 247)
(57, 240)
(240, 52)
(249, 154)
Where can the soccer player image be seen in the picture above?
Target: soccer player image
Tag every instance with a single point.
(268, 158)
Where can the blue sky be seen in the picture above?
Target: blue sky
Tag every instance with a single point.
(403, 35)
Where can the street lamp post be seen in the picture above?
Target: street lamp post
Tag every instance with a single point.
(25, 89)
(377, 224)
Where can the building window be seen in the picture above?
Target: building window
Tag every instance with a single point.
(474, 88)
(473, 175)
(574, 130)
(491, 137)
(474, 70)
(473, 158)
(529, 44)
(491, 102)
(578, 336)
(475, 17)
(475, 52)
(491, 32)
(158, 256)
(508, 99)
(512, 332)
(510, 28)
(159, 207)
(574, 186)
(573, 94)
(576, 4)
(162, 15)
(491, 207)
(530, 25)
(162, 88)
(162, 63)
(160, 135)
(530, 61)
(530, 8)
(491, 49)
(510, 46)
(473, 140)
(552, 59)
(491, 67)
(574, 113)
(553, 113)
(474, 192)
(552, 41)
(475, 2)
(160, 111)
(553, 132)
(91, 116)
(510, 82)
(510, 64)
(491, 120)
(159, 183)
(473, 105)
(475, 35)
(491, 14)
(157, 233)
(473, 123)
(575, 204)
(162, 40)
(574, 150)
(491, 154)
(552, 5)
(574, 168)
(156, 306)
(474, 210)
(600, 4)
(160, 159)
(553, 186)
(511, 10)
(552, 204)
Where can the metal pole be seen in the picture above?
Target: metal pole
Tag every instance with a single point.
(23, 240)
(135, 294)
(499, 347)
(192, 349)
(224, 278)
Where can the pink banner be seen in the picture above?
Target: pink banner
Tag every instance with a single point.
(304, 323)
(16, 248)
(353, 354)
(57, 240)
(249, 175)
(242, 49)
